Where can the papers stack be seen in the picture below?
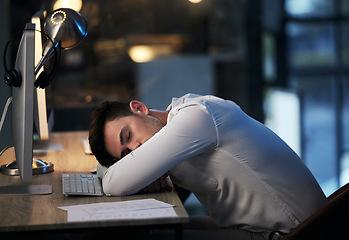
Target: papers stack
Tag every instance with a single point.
(134, 209)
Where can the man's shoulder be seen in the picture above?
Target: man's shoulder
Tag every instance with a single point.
(191, 99)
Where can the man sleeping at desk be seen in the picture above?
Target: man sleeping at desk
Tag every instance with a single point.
(244, 175)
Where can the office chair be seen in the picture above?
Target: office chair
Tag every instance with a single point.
(329, 222)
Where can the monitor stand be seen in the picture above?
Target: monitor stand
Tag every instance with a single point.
(39, 167)
(26, 189)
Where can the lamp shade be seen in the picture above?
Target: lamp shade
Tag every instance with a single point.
(66, 29)
(66, 26)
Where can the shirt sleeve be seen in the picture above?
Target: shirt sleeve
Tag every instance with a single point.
(190, 132)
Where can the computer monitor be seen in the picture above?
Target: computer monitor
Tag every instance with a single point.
(29, 104)
(29, 107)
(22, 116)
(22, 104)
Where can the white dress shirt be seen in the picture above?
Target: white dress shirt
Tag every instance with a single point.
(241, 172)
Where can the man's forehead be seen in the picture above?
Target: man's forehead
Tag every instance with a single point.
(111, 136)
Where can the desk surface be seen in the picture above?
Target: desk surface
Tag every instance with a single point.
(40, 212)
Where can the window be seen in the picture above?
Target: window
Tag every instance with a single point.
(311, 42)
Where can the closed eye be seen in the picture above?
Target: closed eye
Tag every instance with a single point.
(121, 136)
(125, 137)
(129, 136)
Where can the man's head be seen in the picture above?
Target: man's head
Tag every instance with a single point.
(119, 128)
(106, 112)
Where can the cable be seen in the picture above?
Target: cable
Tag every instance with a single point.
(9, 101)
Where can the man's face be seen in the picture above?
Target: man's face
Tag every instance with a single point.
(125, 134)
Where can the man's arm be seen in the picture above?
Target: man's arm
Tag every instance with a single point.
(161, 184)
(190, 133)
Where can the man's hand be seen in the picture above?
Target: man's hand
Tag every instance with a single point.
(161, 184)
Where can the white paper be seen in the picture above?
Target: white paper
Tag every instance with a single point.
(78, 216)
(134, 209)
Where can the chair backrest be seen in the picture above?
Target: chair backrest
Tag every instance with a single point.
(329, 222)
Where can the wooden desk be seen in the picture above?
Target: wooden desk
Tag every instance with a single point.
(28, 213)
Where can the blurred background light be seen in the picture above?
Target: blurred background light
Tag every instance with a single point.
(73, 4)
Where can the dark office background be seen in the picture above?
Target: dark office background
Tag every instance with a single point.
(243, 50)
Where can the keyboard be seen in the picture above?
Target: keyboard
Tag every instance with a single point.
(81, 184)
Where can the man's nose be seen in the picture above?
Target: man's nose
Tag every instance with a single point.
(133, 145)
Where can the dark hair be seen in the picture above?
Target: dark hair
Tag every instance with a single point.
(108, 111)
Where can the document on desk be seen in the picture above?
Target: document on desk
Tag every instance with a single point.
(134, 209)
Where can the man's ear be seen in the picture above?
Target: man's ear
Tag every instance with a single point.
(138, 107)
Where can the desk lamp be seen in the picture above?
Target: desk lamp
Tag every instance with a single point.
(66, 28)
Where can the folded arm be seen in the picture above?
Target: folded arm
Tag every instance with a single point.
(190, 133)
